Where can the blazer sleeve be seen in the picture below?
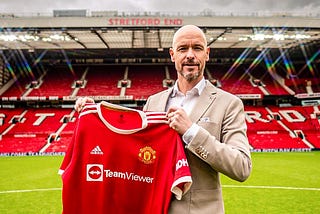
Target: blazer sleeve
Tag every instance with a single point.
(223, 142)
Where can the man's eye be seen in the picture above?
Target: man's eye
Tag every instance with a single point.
(198, 48)
(181, 49)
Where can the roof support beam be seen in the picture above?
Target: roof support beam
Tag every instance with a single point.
(100, 37)
(132, 38)
(76, 40)
(159, 38)
(227, 30)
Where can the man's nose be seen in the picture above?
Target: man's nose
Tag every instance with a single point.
(190, 53)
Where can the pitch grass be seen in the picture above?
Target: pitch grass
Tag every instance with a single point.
(299, 172)
(279, 183)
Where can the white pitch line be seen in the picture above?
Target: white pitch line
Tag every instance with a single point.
(29, 190)
(224, 186)
(272, 187)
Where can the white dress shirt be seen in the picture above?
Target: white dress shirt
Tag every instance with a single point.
(187, 102)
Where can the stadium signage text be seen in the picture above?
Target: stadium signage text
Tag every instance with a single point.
(145, 21)
(66, 98)
(305, 95)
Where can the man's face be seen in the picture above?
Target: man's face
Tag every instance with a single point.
(190, 53)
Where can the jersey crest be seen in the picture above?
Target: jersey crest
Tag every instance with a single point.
(147, 155)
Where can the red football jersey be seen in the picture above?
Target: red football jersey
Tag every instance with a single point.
(123, 160)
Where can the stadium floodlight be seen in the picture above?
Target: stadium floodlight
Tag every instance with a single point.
(258, 36)
(278, 37)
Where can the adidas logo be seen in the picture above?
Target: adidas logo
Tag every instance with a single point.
(96, 151)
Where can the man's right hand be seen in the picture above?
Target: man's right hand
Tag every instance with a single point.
(80, 103)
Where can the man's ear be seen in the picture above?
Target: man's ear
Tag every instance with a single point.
(208, 53)
(171, 52)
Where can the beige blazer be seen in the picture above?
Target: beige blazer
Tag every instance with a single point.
(220, 146)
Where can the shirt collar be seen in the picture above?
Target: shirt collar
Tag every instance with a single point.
(197, 89)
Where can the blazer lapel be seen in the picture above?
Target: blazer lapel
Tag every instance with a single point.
(163, 99)
(205, 100)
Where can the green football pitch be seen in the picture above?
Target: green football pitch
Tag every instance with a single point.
(279, 183)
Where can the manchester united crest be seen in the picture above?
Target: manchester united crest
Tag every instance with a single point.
(147, 155)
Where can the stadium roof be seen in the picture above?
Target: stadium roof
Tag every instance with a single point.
(132, 35)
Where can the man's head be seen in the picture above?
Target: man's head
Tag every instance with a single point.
(189, 52)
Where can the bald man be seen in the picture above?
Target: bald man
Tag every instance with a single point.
(210, 121)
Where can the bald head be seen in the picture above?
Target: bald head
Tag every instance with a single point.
(189, 53)
(188, 30)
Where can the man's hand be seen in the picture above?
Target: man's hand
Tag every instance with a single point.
(80, 103)
(178, 120)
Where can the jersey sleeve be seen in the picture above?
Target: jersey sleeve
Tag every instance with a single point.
(68, 157)
(182, 178)
(69, 154)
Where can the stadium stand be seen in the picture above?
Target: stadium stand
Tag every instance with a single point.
(268, 82)
(235, 82)
(47, 66)
(29, 130)
(56, 82)
(282, 127)
(145, 80)
(18, 86)
(50, 129)
(102, 80)
(304, 85)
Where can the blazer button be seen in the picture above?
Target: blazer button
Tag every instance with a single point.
(202, 152)
(204, 155)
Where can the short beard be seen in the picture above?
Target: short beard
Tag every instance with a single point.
(190, 77)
